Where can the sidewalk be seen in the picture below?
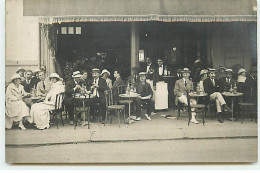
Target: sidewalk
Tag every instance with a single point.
(158, 128)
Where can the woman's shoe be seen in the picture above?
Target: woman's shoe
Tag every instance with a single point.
(22, 126)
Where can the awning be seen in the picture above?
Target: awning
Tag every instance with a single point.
(141, 10)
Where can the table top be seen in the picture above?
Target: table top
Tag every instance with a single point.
(36, 98)
(201, 94)
(129, 95)
(83, 96)
(229, 94)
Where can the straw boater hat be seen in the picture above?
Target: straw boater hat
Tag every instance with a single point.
(212, 70)
(229, 70)
(241, 70)
(20, 69)
(54, 75)
(142, 73)
(95, 70)
(76, 74)
(15, 76)
(185, 70)
(105, 71)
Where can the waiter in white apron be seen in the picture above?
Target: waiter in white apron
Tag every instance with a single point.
(160, 86)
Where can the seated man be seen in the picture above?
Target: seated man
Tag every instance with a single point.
(99, 85)
(72, 86)
(146, 94)
(42, 89)
(211, 87)
(119, 81)
(182, 86)
(227, 82)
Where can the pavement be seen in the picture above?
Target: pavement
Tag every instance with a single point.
(158, 129)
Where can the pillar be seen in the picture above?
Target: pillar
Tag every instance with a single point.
(134, 44)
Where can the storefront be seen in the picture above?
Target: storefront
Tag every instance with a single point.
(221, 32)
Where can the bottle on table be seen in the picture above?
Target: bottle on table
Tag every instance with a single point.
(235, 88)
(128, 89)
(231, 89)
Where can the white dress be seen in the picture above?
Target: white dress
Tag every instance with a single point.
(40, 111)
(15, 110)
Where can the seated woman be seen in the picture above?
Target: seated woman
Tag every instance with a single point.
(40, 111)
(105, 75)
(16, 108)
(246, 85)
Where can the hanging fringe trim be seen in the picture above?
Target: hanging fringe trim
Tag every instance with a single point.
(161, 18)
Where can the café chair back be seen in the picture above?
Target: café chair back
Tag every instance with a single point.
(110, 106)
(58, 109)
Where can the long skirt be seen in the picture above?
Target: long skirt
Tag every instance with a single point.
(40, 114)
(14, 112)
(161, 96)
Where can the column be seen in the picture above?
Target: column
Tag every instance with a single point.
(134, 44)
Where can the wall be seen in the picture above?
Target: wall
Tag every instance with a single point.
(22, 39)
(229, 45)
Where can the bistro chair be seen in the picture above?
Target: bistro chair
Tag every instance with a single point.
(58, 109)
(111, 106)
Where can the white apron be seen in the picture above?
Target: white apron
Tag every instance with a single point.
(161, 96)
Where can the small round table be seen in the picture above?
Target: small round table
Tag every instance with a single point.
(84, 98)
(232, 96)
(197, 95)
(129, 97)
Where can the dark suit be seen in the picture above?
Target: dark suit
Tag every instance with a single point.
(29, 86)
(100, 98)
(68, 99)
(144, 90)
(35, 80)
(156, 76)
(133, 79)
(209, 88)
(225, 85)
(117, 83)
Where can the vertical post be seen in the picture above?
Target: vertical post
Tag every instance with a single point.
(134, 44)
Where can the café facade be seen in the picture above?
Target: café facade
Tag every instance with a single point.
(50, 33)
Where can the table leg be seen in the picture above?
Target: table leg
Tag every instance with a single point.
(232, 109)
(129, 111)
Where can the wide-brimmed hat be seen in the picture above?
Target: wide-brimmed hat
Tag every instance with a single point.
(204, 71)
(229, 70)
(105, 71)
(15, 76)
(185, 70)
(241, 70)
(20, 69)
(76, 74)
(55, 75)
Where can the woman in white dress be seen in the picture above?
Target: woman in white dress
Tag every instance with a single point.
(40, 111)
(16, 108)
(105, 75)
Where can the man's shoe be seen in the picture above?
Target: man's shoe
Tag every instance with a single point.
(138, 119)
(71, 122)
(226, 108)
(22, 127)
(153, 113)
(194, 121)
(147, 117)
(220, 118)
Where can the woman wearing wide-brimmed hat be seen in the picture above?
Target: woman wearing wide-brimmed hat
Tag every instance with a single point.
(105, 75)
(40, 111)
(16, 108)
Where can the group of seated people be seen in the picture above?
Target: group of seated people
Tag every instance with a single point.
(20, 107)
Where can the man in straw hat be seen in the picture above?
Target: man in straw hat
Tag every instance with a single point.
(98, 88)
(72, 86)
(180, 90)
(211, 87)
(146, 94)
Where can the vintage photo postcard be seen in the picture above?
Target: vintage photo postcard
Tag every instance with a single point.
(131, 82)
